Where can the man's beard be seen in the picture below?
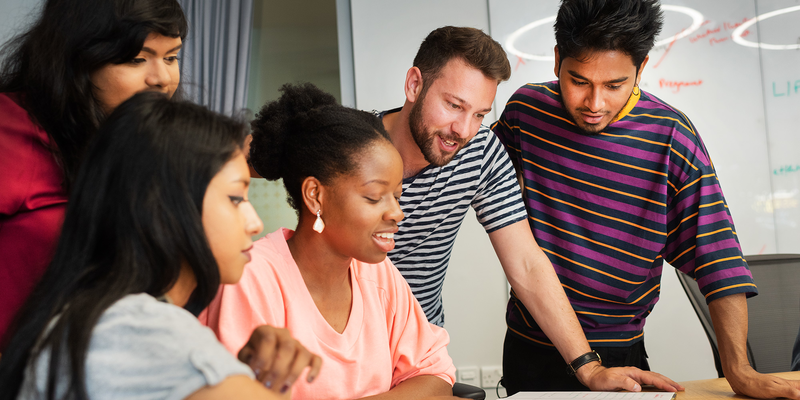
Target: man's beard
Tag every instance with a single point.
(595, 130)
(426, 140)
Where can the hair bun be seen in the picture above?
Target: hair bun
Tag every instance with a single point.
(299, 100)
(279, 119)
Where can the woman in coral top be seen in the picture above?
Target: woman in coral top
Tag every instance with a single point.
(58, 81)
(329, 281)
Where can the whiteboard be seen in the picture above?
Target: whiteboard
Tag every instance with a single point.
(743, 99)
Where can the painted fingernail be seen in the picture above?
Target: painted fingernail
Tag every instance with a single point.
(268, 384)
(284, 389)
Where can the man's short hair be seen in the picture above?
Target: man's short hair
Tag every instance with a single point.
(471, 45)
(628, 26)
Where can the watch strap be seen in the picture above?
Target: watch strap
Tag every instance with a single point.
(582, 360)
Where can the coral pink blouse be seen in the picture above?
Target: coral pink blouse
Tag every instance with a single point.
(387, 339)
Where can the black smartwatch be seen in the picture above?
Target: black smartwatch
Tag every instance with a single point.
(582, 360)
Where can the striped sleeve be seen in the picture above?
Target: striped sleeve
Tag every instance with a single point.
(498, 201)
(701, 237)
(505, 133)
(702, 240)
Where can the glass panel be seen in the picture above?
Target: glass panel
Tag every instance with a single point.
(293, 41)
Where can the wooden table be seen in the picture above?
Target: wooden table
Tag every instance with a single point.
(719, 388)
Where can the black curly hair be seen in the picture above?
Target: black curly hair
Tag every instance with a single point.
(306, 133)
(629, 26)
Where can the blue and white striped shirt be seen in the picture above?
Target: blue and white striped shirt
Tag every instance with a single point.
(434, 203)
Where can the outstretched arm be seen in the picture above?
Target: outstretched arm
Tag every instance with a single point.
(729, 315)
(536, 284)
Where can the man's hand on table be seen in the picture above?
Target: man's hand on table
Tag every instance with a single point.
(748, 382)
(599, 378)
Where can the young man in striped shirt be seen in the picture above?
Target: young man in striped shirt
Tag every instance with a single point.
(616, 182)
(451, 162)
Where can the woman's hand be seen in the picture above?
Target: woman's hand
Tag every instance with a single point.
(277, 358)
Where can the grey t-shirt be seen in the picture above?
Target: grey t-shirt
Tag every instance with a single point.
(142, 348)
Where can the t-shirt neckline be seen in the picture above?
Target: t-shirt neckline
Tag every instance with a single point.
(322, 328)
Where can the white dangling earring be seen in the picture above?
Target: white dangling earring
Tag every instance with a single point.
(319, 226)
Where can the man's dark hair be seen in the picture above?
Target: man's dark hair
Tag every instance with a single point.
(471, 45)
(306, 133)
(133, 220)
(628, 26)
(50, 65)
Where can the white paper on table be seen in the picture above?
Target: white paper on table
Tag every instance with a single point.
(593, 395)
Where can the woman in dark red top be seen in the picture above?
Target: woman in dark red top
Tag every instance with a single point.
(58, 80)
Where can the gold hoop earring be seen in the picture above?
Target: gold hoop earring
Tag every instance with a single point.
(319, 226)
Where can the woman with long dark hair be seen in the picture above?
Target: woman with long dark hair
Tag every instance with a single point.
(157, 219)
(329, 281)
(58, 81)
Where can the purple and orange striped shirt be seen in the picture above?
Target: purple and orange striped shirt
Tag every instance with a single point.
(609, 209)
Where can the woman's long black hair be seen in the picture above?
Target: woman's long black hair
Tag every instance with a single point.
(50, 64)
(133, 219)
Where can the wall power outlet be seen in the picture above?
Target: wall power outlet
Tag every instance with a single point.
(490, 376)
(469, 375)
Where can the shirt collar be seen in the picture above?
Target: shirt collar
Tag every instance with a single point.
(635, 95)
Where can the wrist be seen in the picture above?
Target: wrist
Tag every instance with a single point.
(585, 373)
(584, 367)
(582, 360)
(737, 370)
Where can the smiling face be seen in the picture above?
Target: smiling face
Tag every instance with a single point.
(595, 90)
(154, 68)
(361, 209)
(449, 112)
(229, 219)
